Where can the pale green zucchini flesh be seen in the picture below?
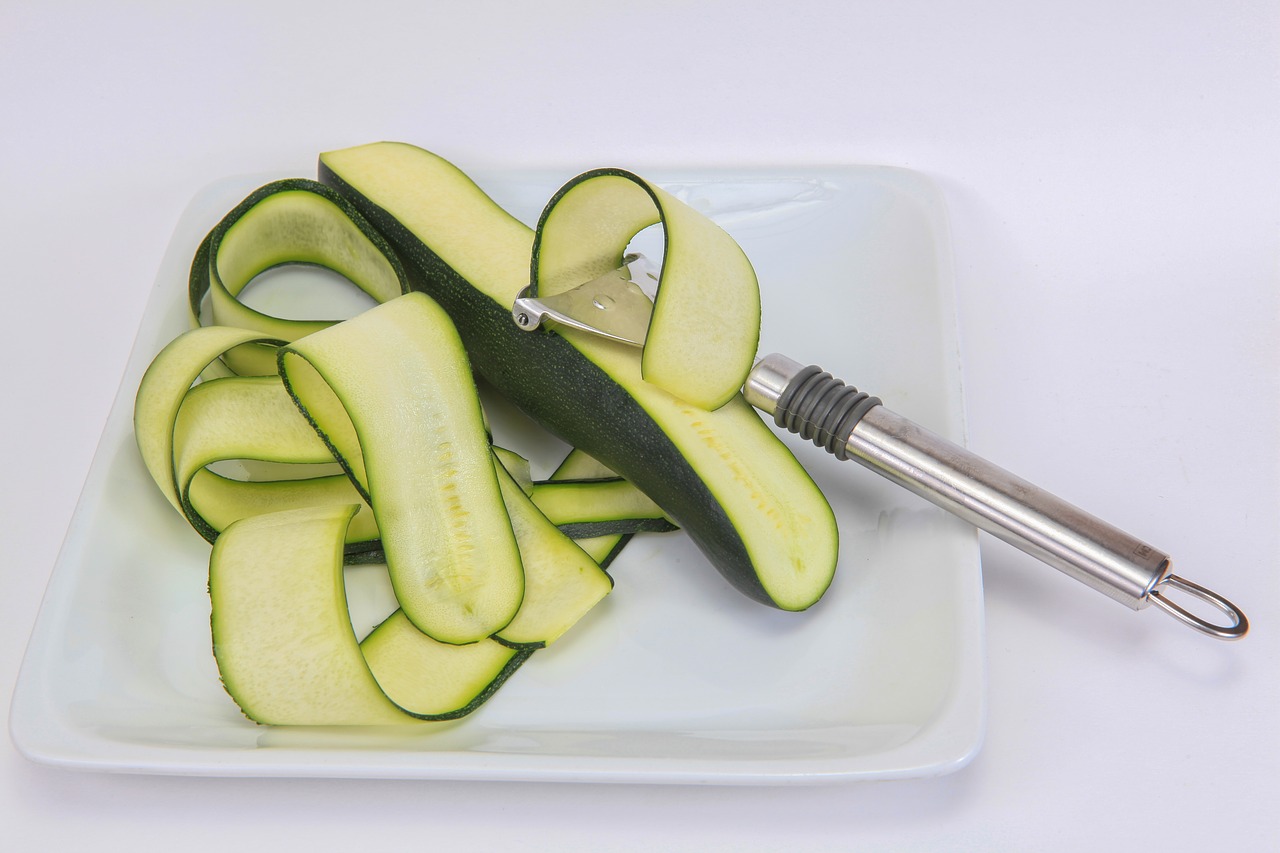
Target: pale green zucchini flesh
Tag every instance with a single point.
(218, 501)
(588, 508)
(562, 582)
(163, 389)
(182, 430)
(293, 221)
(433, 680)
(580, 466)
(281, 632)
(286, 650)
(391, 392)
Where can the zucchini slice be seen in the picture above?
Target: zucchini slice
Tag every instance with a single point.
(562, 582)
(588, 508)
(390, 391)
(517, 466)
(707, 309)
(287, 222)
(181, 430)
(432, 680)
(287, 652)
(241, 418)
(577, 465)
(218, 501)
(281, 633)
(723, 475)
(165, 385)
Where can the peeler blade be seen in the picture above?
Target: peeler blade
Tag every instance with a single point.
(617, 305)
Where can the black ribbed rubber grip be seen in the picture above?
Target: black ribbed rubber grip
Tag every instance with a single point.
(820, 408)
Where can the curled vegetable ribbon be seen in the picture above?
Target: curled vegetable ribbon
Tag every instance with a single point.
(304, 505)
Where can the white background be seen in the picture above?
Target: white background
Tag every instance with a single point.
(1112, 174)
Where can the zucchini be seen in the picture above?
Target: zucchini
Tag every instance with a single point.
(281, 633)
(286, 650)
(217, 501)
(722, 475)
(181, 431)
(291, 221)
(562, 582)
(391, 393)
(579, 466)
(162, 390)
(588, 508)
(436, 681)
(240, 418)
(333, 447)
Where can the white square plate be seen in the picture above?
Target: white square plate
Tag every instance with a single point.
(675, 677)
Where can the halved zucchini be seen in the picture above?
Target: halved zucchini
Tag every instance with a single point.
(722, 475)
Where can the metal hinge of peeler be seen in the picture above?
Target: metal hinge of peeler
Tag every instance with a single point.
(852, 425)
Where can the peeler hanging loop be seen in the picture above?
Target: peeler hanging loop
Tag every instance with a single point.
(1159, 597)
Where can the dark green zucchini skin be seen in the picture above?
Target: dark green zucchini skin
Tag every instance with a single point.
(608, 559)
(587, 529)
(573, 398)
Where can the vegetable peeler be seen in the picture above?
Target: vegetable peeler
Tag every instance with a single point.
(851, 424)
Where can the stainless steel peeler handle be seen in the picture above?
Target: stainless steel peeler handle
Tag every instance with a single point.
(850, 424)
